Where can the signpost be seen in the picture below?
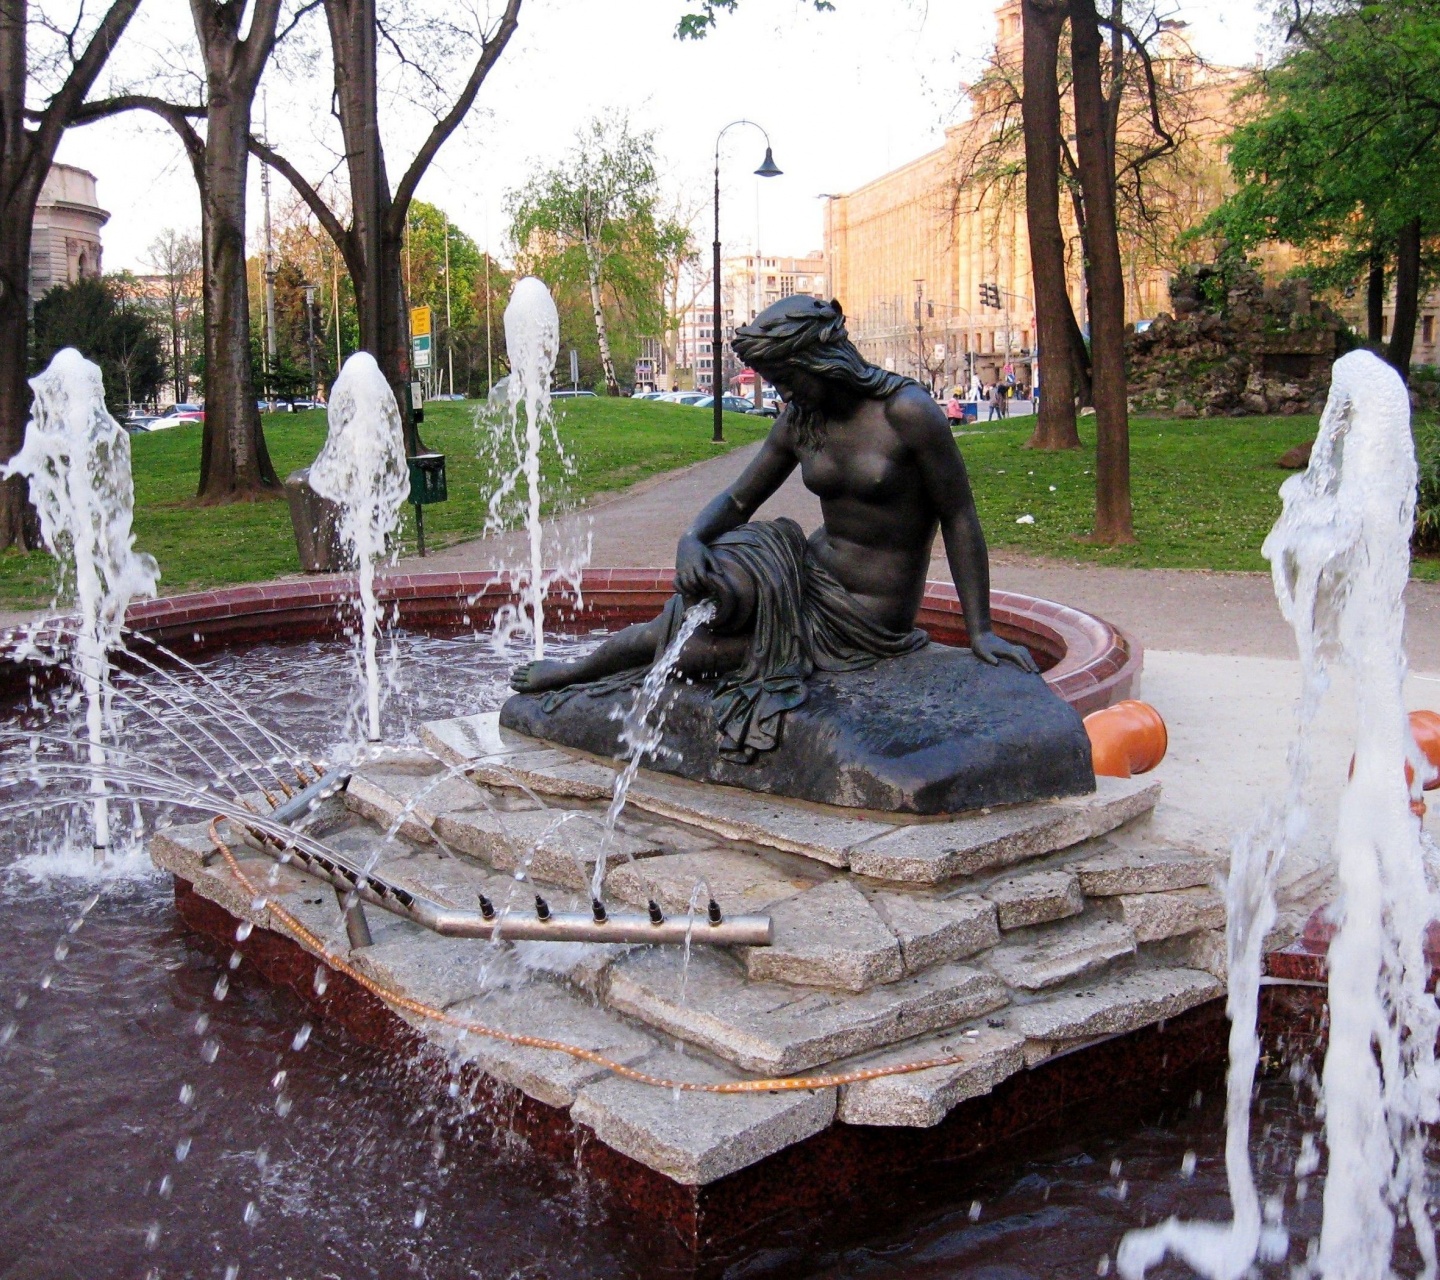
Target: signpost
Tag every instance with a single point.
(427, 470)
(420, 337)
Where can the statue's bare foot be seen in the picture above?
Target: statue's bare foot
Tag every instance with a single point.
(541, 676)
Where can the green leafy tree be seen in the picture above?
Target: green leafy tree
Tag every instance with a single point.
(593, 221)
(106, 322)
(1342, 156)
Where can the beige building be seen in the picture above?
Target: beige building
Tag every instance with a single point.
(65, 233)
(748, 284)
(910, 251)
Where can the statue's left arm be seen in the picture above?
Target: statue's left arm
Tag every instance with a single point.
(923, 426)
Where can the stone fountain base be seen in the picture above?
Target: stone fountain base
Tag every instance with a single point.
(1013, 937)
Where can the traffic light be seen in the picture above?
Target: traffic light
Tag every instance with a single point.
(990, 296)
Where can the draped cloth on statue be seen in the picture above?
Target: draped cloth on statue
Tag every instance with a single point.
(803, 621)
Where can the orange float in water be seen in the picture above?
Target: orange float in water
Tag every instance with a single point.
(1425, 729)
(1128, 738)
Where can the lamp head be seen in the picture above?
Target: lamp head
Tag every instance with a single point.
(768, 167)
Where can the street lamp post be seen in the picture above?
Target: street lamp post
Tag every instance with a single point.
(767, 169)
(310, 334)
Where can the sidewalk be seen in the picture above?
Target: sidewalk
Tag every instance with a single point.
(1187, 610)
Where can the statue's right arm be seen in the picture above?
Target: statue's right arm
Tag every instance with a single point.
(733, 507)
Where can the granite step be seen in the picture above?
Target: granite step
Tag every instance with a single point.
(776, 1029)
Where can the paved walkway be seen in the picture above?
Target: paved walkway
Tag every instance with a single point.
(1183, 610)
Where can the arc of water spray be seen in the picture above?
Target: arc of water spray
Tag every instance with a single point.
(76, 458)
(532, 341)
(1340, 558)
(363, 469)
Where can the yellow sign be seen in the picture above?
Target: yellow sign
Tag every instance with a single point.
(419, 322)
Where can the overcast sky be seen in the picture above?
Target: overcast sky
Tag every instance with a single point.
(845, 96)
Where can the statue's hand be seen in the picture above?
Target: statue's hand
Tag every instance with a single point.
(693, 568)
(988, 647)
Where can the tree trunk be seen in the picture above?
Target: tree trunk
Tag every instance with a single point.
(15, 216)
(602, 335)
(25, 158)
(1040, 108)
(1407, 299)
(1375, 296)
(234, 462)
(1114, 521)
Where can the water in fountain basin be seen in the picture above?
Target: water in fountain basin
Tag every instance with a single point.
(1340, 557)
(76, 458)
(363, 469)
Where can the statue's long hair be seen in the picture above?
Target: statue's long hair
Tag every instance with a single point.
(801, 332)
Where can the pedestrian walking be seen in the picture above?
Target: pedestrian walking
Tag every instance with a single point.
(996, 401)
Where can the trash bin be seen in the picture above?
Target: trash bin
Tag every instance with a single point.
(317, 526)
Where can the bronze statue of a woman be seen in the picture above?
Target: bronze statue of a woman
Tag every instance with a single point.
(879, 454)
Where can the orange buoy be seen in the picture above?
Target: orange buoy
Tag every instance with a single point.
(1425, 729)
(1126, 739)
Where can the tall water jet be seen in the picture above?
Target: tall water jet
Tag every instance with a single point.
(532, 340)
(1340, 559)
(76, 458)
(362, 468)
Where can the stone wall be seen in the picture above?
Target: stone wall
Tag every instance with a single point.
(1236, 346)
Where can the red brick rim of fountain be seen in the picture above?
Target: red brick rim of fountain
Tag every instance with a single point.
(1087, 661)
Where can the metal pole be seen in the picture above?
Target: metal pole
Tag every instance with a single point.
(269, 271)
(717, 342)
(449, 338)
(310, 335)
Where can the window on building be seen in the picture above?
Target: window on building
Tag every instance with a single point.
(1427, 330)
(803, 282)
(705, 348)
(787, 285)
(706, 364)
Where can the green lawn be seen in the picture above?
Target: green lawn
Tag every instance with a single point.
(614, 443)
(1204, 489)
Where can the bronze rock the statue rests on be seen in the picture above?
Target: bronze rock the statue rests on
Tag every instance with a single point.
(812, 681)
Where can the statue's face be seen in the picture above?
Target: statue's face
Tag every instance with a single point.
(796, 384)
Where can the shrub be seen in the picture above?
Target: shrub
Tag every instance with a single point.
(1427, 502)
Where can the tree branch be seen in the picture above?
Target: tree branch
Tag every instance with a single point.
(490, 51)
(62, 107)
(176, 115)
(316, 202)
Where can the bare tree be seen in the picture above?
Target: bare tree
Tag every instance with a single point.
(234, 461)
(1043, 22)
(372, 243)
(1114, 519)
(71, 60)
(175, 257)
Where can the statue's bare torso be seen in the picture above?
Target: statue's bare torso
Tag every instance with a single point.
(888, 475)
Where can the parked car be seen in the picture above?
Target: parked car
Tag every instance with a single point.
(683, 397)
(137, 420)
(179, 415)
(449, 395)
(649, 395)
(573, 395)
(767, 409)
(731, 404)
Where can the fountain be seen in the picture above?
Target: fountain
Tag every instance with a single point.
(1340, 558)
(532, 339)
(362, 469)
(834, 996)
(76, 458)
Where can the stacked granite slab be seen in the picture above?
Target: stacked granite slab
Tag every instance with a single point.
(1007, 937)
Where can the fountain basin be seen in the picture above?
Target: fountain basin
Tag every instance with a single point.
(1088, 662)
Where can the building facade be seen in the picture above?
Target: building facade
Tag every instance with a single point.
(932, 260)
(748, 284)
(65, 232)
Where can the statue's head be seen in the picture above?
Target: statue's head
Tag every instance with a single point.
(802, 346)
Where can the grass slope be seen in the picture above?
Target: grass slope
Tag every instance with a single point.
(1205, 490)
(615, 443)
